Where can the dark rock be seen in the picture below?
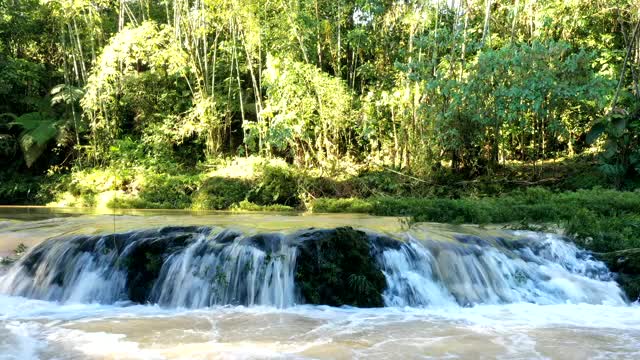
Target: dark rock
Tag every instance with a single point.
(146, 252)
(336, 267)
(471, 240)
(269, 242)
(384, 242)
(631, 285)
(627, 264)
(511, 244)
(623, 261)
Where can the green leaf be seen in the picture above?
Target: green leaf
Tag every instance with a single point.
(610, 150)
(596, 131)
(37, 131)
(29, 121)
(634, 159)
(620, 123)
(67, 94)
(8, 115)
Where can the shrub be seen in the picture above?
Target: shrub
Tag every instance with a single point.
(351, 205)
(276, 185)
(219, 193)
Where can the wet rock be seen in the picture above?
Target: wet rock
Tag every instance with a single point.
(146, 254)
(336, 267)
(382, 242)
(269, 243)
(472, 240)
(627, 264)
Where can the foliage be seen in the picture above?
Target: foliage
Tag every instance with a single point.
(122, 187)
(37, 131)
(307, 111)
(219, 193)
(600, 220)
(276, 185)
(349, 205)
(139, 80)
(18, 252)
(245, 205)
(620, 159)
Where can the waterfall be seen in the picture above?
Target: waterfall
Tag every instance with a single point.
(196, 267)
(541, 269)
(209, 272)
(175, 267)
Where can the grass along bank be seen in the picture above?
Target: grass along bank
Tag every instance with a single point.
(241, 183)
(574, 195)
(599, 219)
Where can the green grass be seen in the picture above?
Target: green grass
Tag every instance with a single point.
(599, 219)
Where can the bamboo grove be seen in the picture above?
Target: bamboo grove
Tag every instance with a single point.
(412, 85)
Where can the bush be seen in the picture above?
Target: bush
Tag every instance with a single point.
(126, 188)
(167, 191)
(351, 205)
(276, 185)
(600, 220)
(19, 190)
(219, 193)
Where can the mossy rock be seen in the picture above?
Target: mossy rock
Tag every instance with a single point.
(144, 261)
(631, 285)
(627, 264)
(623, 261)
(336, 267)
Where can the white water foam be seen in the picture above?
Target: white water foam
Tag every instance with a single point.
(133, 332)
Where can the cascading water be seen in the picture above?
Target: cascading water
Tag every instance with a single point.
(196, 292)
(224, 270)
(196, 267)
(542, 269)
(175, 267)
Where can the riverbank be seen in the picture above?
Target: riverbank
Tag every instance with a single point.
(243, 182)
(570, 194)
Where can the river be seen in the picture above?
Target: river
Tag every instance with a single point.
(452, 292)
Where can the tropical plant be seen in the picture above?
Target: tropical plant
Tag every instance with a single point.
(620, 156)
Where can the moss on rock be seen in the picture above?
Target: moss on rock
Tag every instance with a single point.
(631, 285)
(336, 267)
(144, 261)
(627, 264)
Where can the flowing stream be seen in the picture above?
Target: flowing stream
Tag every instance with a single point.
(179, 285)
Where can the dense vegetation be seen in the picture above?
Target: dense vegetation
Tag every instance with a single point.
(421, 87)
